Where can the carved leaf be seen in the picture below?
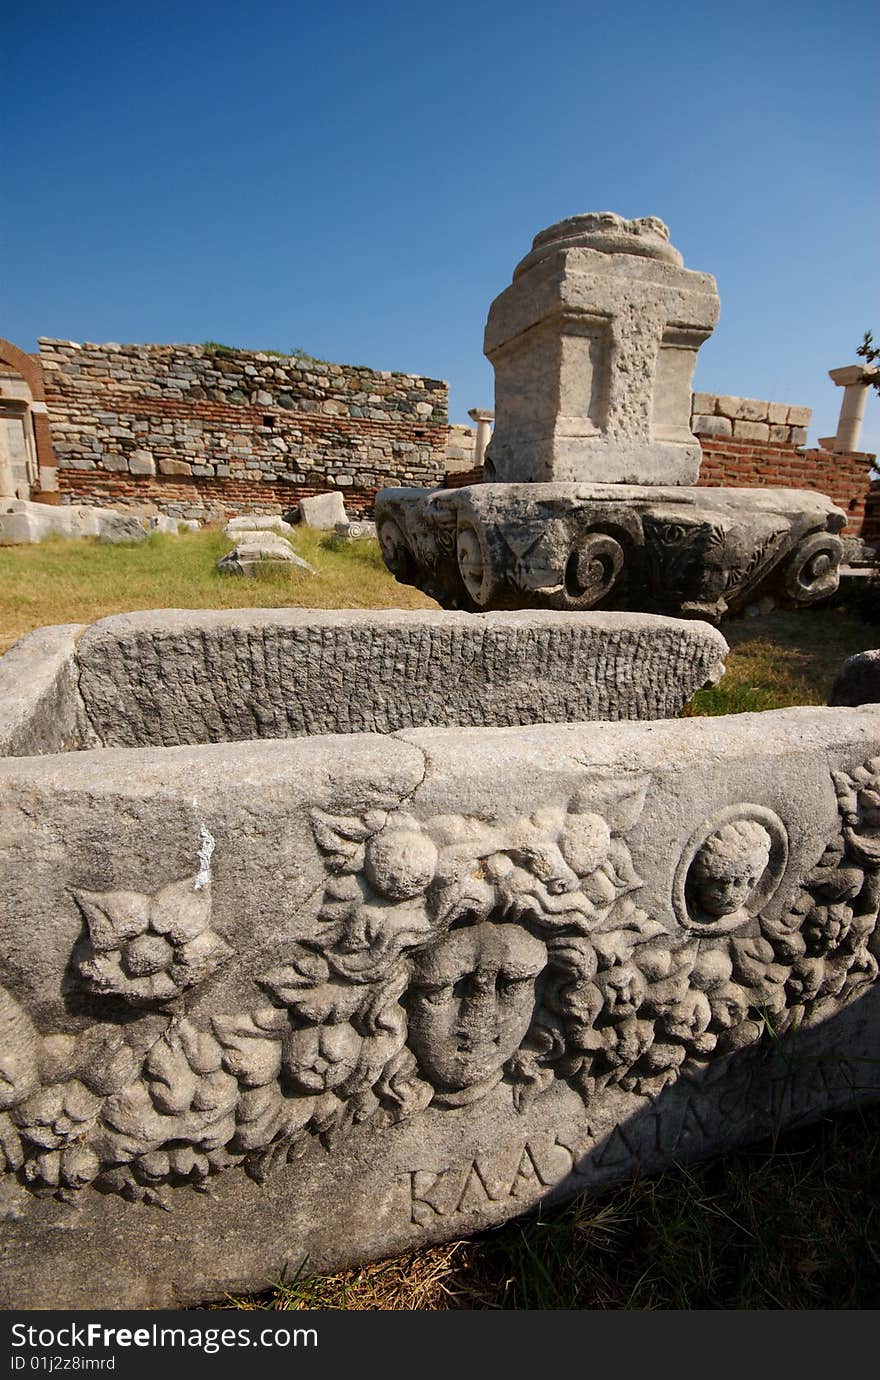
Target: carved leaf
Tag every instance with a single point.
(619, 802)
(113, 916)
(181, 912)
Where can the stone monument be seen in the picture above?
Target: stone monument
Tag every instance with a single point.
(315, 946)
(590, 497)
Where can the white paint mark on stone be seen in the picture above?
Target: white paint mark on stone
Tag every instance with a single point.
(207, 844)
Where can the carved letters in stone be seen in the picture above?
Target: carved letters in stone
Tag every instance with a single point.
(454, 958)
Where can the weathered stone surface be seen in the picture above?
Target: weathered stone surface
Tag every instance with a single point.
(356, 531)
(323, 511)
(24, 522)
(594, 346)
(255, 550)
(391, 990)
(695, 551)
(257, 522)
(711, 426)
(121, 528)
(751, 431)
(168, 677)
(160, 522)
(40, 706)
(858, 681)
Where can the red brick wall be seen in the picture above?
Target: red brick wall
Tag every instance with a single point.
(845, 479)
(181, 493)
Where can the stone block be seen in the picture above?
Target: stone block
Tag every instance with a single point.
(751, 431)
(256, 550)
(630, 921)
(777, 413)
(174, 467)
(800, 416)
(118, 528)
(703, 404)
(799, 435)
(858, 681)
(257, 522)
(580, 395)
(711, 426)
(323, 511)
(743, 409)
(142, 462)
(780, 435)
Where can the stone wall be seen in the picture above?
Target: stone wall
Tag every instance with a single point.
(185, 428)
(749, 419)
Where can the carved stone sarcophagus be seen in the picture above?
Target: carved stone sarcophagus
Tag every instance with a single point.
(268, 999)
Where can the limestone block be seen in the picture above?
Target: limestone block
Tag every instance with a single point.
(159, 522)
(799, 434)
(777, 413)
(141, 462)
(800, 416)
(40, 706)
(174, 467)
(780, 435)
(858, 681)
(257, 522)
(703, 404)
(256, 550)
(698, 552)
(711, 426)
(360, 530)
(658, 939)
(751, 431)
(743, 409)
(323, 510)
(117, 528)
(594, 346)
(278, 673)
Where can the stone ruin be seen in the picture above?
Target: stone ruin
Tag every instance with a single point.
(590, 499)
(325, 935)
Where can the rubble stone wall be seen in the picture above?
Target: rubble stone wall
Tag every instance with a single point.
(180, 426)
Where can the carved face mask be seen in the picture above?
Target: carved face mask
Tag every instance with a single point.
(471, 1002)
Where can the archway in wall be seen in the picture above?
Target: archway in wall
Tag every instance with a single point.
(28, 468)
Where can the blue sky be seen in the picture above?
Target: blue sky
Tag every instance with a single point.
(359, 180)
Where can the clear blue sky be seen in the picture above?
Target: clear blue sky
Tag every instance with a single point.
(360, 179)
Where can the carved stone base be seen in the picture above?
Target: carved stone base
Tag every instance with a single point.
(689, 552)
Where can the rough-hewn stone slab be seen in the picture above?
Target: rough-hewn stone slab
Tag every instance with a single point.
(40, 707)
(171, 677)
(372, 992)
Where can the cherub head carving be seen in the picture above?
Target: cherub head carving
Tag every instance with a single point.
(727, 867)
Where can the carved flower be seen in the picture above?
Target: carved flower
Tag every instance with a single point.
(148, 949)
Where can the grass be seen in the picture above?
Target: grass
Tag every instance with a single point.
(788, 1224)
(78, 581)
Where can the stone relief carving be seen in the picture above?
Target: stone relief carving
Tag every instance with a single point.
(453, 957)
(148, 949)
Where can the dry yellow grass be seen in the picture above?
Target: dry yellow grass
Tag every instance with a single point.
(79, 581)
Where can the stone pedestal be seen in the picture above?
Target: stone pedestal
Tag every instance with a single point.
(286, 1005)
(594, 346)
